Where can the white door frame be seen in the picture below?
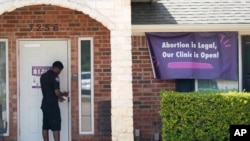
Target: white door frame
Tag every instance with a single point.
(18, 79)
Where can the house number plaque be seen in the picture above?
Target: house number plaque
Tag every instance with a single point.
(43, 27)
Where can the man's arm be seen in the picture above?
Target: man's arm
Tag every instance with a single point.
(60, 94)
(56, 86)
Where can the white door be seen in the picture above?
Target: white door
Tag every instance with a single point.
(35, 56)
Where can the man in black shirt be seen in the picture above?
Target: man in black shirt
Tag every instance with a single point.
(50, 85)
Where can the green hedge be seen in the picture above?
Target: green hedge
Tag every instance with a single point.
(202, 116)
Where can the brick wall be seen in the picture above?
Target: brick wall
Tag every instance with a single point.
(72, 25)
(146, 90)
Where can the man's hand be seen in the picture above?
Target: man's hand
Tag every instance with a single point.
(61, 99)
(65, 93)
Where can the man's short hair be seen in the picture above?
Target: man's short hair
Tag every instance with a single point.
(57, 64)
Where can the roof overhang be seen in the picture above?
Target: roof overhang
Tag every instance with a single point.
(139, 30)
(144, 0)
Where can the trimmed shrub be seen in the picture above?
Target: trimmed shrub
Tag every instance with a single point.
(195, 116)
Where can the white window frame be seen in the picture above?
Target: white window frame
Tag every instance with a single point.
(7, 85)
(92, 84)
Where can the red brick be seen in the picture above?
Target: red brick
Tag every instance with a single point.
(146, 95)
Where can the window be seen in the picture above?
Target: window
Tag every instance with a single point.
(3, 84)
(217, 85)
(86, 86)
(204, 85)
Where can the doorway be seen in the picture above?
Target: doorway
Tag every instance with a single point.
(35, 57)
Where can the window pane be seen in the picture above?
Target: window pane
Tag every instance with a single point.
(3, 81)
(217, 85)
(86, 86)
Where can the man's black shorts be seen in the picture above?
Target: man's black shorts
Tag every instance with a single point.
(51, 118)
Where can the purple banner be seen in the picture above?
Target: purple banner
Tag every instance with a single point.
(194, 55)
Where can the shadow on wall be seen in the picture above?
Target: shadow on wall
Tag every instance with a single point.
(151, 13)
